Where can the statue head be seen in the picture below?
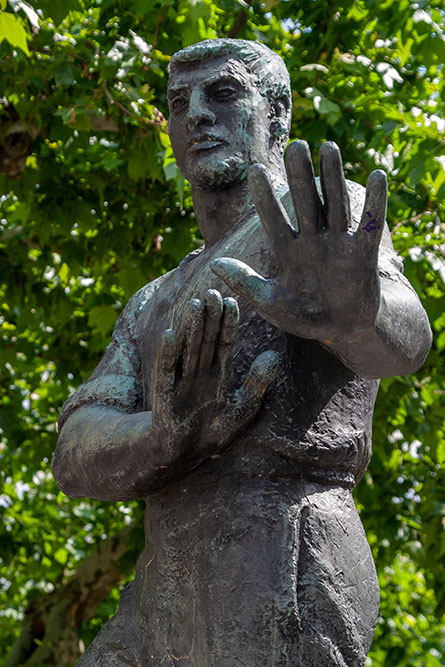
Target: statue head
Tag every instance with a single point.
(230, 106)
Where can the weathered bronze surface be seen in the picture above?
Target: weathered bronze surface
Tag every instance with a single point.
(237, 393)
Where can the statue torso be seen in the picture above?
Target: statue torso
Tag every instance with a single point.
(221, 538)
(236, 546)
(316, 418)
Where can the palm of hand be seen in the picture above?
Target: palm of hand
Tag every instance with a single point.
(327, 285)
(196, 411)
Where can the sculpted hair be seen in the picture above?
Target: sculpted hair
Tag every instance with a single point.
(268, 68)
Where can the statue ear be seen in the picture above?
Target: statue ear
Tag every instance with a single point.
(280, 117)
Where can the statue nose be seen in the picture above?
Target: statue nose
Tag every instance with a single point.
(199, 111)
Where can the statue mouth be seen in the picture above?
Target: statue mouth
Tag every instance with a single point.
(205, 142)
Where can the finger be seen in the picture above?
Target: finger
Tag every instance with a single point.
(226, 344)
(164, 373)
(301, 178)
(271, 212)
(213, 305)
(371, 226)
(262, 373)
(244, 281)
(192, 337)
(333, 185)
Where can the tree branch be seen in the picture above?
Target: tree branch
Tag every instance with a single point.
(409, 220)
(50, 630)
(160, 122)
(240, 21)
(158, 24)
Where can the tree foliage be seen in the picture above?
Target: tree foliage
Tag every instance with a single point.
(92, 207)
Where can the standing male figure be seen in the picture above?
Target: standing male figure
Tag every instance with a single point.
(246, 425)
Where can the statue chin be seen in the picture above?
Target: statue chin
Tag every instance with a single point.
(213, 174)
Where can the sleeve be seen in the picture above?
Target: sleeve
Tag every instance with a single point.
(401, 337)
(105, 449)
(116, 381)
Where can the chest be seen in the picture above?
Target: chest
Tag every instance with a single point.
(190, 281)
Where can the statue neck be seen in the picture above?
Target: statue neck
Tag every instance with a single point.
(218, 211)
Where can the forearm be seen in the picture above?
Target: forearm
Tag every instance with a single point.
(109, 455)
(396, 345)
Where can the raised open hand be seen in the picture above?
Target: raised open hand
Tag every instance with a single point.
(327, 286)
(196, 411)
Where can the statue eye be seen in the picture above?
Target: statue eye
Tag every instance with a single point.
(224, 93)
(178, 103)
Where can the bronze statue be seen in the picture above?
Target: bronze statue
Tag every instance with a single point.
(237, 393)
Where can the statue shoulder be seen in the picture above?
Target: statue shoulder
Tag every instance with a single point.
(139, 302)
(115, 382)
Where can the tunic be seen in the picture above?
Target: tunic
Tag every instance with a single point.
(257, 555)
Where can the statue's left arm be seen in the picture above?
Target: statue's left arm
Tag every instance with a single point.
(335, 284)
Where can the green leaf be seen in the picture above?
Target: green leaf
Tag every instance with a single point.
(58, 10)
(143, 6)
(440, 452)
(64, 75)
(11, 29)
(61, 555)
(169, 165)
(131, 279)
(102, 319)
(180, 184)
(137, 165)
(64, 272)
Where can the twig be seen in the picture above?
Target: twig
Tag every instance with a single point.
(160, 123)
(158, 24)
(408, 220)
(240, 21)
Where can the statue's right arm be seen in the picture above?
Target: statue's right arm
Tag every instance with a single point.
(110, 448)
(107, 454)
(105, 448)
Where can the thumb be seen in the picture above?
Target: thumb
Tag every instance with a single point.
(243, 280)
(248, 398)
(262, 373)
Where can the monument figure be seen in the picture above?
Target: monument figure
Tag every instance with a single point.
(237, 393)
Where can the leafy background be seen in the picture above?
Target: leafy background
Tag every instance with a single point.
(92, 207)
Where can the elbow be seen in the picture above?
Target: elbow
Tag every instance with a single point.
(404, 333)
(65, 467)
(409, 354)
(62, 473)
(421, 346)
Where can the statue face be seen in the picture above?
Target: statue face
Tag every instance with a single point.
(219, 122)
